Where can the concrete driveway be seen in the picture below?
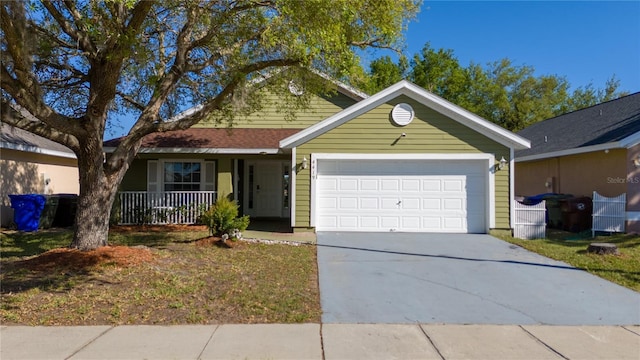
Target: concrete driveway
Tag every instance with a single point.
(459, 279)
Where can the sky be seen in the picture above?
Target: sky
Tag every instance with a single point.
(584, 41)
(587, 42)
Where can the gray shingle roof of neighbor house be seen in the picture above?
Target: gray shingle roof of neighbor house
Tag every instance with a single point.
(21, 140)
(612, 124)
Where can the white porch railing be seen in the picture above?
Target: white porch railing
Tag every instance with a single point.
(609, 214)
(171, 207)
(530, 221)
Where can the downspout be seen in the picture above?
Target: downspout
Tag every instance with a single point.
(292, 186)
(512, 210)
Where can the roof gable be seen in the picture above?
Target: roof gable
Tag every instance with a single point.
(611, 124)
(271, 115)
(452, 111)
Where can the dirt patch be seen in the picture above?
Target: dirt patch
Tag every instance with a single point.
(121, 256)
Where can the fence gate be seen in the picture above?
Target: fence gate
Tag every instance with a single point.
(530, 220)
(609, 214)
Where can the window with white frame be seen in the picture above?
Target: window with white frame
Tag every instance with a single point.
(180, 175)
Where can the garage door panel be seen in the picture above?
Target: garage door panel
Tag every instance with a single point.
(432, 196)
(328, 222)
(453, 223)
(453, 205)
(369, 222)
(328, 203)
(387, 185)
(431, 185)
(431, 223)
(369, 184)
(350, 222)
(328, 184)
(348, 203)
(411, 223)
(348, 184)
(389, 203)
(390, 222)
(431, 204)
(410, 203)
(369, 203)
(453, 185)
(410, 185)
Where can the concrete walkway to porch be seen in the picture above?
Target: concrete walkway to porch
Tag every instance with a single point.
(277, 229)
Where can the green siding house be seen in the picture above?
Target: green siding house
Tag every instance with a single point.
(401, 160)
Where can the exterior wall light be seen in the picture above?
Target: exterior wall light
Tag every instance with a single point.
(503, 163)
(636, 161)
(304, 163)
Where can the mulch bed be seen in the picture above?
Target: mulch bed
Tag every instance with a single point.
(121, 256)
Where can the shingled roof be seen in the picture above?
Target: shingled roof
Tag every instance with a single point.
(606, 123)
(21, 140)
(198, 139)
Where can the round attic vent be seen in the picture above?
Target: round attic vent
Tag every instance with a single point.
(295, 89)
(402, 114)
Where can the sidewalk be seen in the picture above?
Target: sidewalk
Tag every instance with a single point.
(321, 341)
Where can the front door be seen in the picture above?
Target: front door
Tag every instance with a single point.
(267, 188)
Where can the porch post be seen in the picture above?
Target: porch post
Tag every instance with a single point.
(235, 180)
(292, 187)
(225, 181)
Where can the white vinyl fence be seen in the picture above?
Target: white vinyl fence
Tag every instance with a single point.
(171, 207)
(609, 214)
(530, 221)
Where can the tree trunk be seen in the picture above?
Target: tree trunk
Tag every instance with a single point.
(98, 190)
(92, 216)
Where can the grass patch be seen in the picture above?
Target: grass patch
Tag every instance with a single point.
(623, 269)
(19, 244)
(185, 283)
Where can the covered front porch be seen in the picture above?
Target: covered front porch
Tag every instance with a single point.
(178, 175)
(178, 191)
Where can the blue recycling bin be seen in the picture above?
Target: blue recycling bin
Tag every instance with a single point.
(27, 210)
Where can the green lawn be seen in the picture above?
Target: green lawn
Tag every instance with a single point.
(187, 282)
(623, 269)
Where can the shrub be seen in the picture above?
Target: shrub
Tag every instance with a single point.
(222, 218)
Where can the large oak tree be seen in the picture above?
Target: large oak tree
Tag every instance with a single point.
(70, 66)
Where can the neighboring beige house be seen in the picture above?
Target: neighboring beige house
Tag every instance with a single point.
(593, 149)
(401, 160)
(30, 164)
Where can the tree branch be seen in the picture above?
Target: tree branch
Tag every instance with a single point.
(130, 100)
(183, 121)
(15, 38)
(62, 67)
(52, 37)
(212, 32)
(18, 116)
(76, 34)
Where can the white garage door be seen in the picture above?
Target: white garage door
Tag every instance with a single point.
(401, 195)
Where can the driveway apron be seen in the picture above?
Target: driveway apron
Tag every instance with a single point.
(459, 279)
